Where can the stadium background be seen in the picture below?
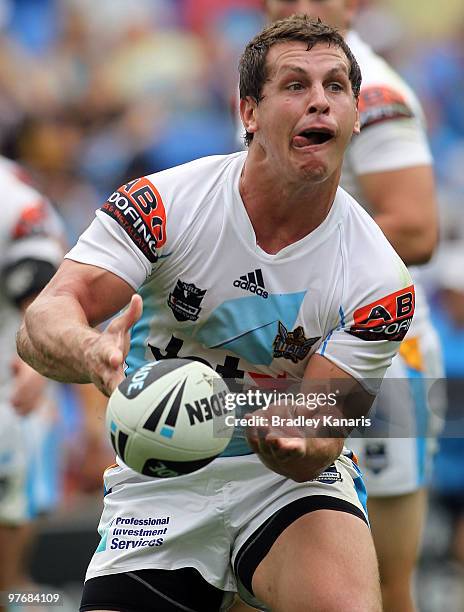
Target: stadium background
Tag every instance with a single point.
(95, 93)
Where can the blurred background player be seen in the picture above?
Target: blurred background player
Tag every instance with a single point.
(448, 317)
(388, 169)
(31, 246)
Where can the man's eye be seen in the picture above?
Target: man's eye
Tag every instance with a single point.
(336, 87)
(295, 86)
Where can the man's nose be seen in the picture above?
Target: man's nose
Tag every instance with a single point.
(318, 102)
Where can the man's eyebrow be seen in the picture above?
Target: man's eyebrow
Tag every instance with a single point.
(290, 68)
(336, 70)
(341, 67)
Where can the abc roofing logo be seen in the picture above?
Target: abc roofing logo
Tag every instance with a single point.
(253, 282)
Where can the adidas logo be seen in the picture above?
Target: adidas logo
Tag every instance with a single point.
(254, 282)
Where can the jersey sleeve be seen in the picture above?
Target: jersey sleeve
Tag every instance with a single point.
(36, 231)
(34, 244)
(392, 133)
(373, 320)
(128, 235)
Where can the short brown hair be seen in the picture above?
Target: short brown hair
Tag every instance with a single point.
(253, 67)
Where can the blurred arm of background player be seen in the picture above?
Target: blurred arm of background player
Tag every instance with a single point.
(403, 203)
(28, 385)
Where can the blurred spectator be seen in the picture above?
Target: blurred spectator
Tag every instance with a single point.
(199, 14)
(114, 90)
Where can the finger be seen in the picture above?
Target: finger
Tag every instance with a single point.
(114, 382)
(286, 448)
(116, 358)
(132, 313)
(108, 382)
(252, 434)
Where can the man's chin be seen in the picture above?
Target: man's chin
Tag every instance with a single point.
(315, 172)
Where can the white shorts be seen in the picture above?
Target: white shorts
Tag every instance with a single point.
(205, 520)
(411, 401)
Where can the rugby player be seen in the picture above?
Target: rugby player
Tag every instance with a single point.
(276, 517)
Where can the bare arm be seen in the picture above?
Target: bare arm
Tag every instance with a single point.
(304, 458)
(404, 205)
(58, 337)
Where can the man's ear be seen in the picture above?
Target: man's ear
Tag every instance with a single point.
(248, 108)
(357, 123)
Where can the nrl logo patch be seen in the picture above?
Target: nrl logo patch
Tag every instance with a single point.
(292, 345)
(185, 301)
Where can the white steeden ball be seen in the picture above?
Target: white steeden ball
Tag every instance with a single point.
(169, 418)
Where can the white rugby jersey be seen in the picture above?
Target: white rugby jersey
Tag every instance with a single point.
(30, 229)
(182, 237)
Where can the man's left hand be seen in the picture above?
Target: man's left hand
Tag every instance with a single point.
(287, 449)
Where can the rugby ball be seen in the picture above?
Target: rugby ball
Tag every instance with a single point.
(168, 418)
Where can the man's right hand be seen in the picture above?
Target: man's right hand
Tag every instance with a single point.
(105, 354)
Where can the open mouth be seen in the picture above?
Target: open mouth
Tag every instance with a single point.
(312, 137)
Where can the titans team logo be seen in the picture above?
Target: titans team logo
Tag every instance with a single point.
(185, 300)
(292, 345)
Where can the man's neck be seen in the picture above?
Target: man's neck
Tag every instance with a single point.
(280, 212)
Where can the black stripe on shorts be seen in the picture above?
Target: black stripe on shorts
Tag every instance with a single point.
(253, 551)
(180, 590)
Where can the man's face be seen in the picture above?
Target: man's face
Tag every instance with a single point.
(307, 114)
(337, 13)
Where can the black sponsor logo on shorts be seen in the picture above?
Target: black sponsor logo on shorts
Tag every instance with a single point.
(185, 300)
(330, 475)
(292, 345)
